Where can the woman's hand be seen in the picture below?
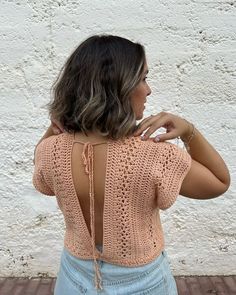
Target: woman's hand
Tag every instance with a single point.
(208, 176)
(174, 125)
(56, 126)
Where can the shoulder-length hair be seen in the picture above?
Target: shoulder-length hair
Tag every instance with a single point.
(92, 91)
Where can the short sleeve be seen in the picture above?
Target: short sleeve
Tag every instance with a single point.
(174, 164)
(42, 178)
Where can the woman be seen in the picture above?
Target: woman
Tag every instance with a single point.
(109, 183)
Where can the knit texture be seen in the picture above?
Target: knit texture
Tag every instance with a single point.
(141, 178)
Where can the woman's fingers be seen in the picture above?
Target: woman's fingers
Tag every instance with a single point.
(56, 126)
(141, 125)
(174, 125)
(166, 136)
(56, 130)
(145, 123)
(158, 123)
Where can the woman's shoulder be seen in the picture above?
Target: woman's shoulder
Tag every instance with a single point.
(161, 149)
(54, 141)
(153, 144)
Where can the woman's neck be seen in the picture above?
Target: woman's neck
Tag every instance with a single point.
(91, 136)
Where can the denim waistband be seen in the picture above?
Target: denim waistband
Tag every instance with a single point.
(112, 273)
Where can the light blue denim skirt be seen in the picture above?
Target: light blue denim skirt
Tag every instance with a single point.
(76, 276)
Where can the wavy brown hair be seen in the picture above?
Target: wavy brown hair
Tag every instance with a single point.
(92, 91)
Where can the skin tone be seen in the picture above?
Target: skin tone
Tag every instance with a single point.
(139, 95)
(208, 176)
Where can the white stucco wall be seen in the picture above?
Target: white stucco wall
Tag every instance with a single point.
(191, 50)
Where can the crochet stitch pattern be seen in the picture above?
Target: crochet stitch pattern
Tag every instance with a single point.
(141, 178)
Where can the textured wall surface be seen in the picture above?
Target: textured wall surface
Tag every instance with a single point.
(191, 51)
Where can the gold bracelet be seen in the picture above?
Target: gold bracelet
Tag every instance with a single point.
(186, 142)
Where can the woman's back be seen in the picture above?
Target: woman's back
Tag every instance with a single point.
(127, 179)
(81, 180)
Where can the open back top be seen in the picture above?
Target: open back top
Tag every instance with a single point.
(88, 206)
(114, 200)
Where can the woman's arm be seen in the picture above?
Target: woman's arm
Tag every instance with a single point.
(208, 176)
(54, 129)
(48, 133)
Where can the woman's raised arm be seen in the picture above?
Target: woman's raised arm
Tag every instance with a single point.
(54, 129)
(208, 176)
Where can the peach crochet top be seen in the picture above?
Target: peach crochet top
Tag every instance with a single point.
(141, 178)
